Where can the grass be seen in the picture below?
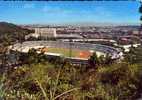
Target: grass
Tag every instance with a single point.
(68, 52)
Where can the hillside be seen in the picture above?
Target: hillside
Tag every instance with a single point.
(12, 31)
(10, 28)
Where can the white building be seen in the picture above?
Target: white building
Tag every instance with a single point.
(46, 32)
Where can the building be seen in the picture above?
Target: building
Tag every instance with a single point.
(46, 32)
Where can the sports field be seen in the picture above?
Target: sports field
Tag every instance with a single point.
(68, 52)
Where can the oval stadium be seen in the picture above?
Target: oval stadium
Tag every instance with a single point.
(70, 50)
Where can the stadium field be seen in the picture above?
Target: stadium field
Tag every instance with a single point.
(67, 52)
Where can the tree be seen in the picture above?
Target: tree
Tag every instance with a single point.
(6, 42)
(108, 59)
(94, 60)
(32, 57)
(134, 55)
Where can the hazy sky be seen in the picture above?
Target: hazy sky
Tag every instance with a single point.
(69, 12)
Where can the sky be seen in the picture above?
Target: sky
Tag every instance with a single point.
(69, 12)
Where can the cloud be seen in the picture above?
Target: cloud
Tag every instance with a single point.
(29, 5)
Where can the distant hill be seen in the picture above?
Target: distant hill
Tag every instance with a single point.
(10, 28)
(12, 31)
(129, 27)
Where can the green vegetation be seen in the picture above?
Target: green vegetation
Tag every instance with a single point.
(47, 82)
(12, 32)
(41, 80)
(134, 56)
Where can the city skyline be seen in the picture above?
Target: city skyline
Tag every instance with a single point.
(69, 12)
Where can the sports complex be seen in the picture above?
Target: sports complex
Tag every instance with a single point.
(70, 50)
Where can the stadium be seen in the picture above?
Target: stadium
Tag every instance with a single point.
(69, 50)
